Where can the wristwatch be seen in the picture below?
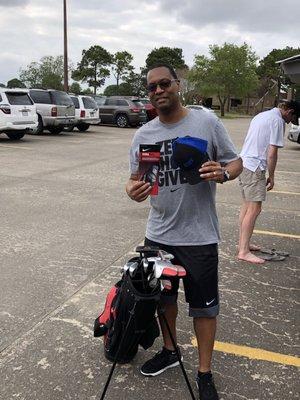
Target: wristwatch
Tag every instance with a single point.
(226, 175)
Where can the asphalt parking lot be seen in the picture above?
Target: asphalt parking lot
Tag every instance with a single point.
(67, 226)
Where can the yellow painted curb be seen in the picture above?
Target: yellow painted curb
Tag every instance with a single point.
(254, 353)
(288, 235)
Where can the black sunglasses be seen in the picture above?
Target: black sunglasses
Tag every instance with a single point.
(163, 84)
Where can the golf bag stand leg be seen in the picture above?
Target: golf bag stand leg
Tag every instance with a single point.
(178, 355)
(118, 352)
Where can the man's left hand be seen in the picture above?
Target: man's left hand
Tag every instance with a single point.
(212, 171)
(270, 183)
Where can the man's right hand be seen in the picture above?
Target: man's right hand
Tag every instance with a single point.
(138, 190)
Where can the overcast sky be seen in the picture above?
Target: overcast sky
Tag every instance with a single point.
(31, 29)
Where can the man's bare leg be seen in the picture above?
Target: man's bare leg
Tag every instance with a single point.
(243, 211)
(246, 230)
(170, 312)
(205, 330)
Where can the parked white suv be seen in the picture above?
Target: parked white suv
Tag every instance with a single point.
(55, 109)
(17, 113)
(86, 112)
(294, 133)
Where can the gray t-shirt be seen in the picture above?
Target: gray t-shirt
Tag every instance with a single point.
(183, 214)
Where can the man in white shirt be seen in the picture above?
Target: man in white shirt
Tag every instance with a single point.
(259, 154)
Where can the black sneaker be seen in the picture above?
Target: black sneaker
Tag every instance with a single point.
(206, 386)
(162, 360)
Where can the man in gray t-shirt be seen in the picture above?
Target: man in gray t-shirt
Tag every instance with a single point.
(183, 219)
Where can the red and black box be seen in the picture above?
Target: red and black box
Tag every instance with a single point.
(149, 157)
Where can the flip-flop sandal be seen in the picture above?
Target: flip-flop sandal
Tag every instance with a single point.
(273, 252)
(281, 253)
(273, 257)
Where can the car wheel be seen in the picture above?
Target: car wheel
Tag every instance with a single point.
(40, 127)
(122, 121)
(55, 129)
(83, 127)
(15, 135)
(69, 128)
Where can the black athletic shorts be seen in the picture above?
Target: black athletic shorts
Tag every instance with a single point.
(201, 281)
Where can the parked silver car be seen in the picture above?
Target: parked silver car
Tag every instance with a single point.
(55, 109)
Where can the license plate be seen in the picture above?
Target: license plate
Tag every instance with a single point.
(25, 113)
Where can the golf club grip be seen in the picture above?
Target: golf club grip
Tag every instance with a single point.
(178, 356)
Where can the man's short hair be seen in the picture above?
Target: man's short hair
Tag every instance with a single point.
(165, 65)
(290, 105)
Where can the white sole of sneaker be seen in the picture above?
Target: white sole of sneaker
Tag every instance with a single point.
(175, 364)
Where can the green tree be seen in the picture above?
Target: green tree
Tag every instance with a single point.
(87, 91)
(172, 56)
(75, 88)
(121, 65)
(124, 89)
(270, 71)
(230, 70)
(15, 83)
(47, 73)
(137, 83)
(93, 67)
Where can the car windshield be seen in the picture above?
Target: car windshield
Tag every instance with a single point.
(40, 96)
(62, 99)
(138, 103)
(144, 101)
(18, 99)
(100, 100)
(88, 102)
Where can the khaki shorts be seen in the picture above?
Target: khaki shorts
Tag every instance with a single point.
(253, 185)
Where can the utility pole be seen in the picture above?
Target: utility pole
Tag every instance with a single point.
(66, 84)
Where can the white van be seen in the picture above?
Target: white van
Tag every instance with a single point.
(17, 113)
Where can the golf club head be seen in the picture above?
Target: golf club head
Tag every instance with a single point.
(165, 268)
(145, 264)
(164, 255)
(166, 284)
(125, 268)
(132, 268)
(153, 283)
(181, 272)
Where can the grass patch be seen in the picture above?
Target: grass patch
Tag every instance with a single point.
(233, 115)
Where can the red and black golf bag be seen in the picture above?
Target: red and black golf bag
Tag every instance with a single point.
(128, 299)
(128, 319)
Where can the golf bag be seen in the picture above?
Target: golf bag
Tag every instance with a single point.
(128, 307)
(128, 319)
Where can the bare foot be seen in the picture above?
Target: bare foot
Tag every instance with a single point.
(253, 247)
(251, 258)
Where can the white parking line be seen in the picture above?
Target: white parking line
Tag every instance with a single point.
(15, 147)
(284, 192)
(288, 172)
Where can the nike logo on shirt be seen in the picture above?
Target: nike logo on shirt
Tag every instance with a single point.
(174, 190)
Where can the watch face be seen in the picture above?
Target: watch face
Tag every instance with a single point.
(226, 176)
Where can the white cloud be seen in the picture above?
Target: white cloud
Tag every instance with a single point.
(31, 29)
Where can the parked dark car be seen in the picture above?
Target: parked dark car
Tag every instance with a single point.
(150, 110)
(122, 111)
